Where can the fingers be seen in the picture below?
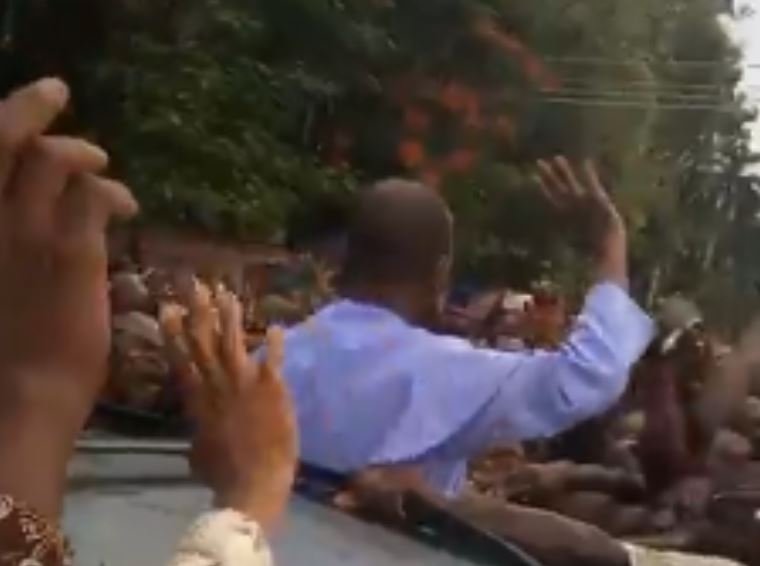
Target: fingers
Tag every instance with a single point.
(44, 173)
(548, 193)
(271, 365)
(85, 208)
(591, 175)
(48, 181)
(560, 185)
(551, 182)
(200, 329)
(25, 114)
(116, 201)
(596, 189)
(565, 171)
(211, 327)
(202, 326)
(558, 180)
(233, 350)
(171, 319)
(49, 162)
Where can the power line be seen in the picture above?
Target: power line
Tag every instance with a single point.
(652, 96)
(600, 102)
(655, 85)
(747, 103)
(718, 96)
(640, 95)
(644, 84)
(686, 92)
(605, 61)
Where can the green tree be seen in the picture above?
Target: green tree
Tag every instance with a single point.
(236, 115)
(206, 133)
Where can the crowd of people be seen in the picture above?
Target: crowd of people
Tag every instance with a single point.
(598, 439)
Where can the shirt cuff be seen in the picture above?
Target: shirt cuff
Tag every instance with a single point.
(223, 538)
(618, 315)
(26, 537)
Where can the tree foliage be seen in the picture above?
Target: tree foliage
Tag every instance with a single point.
(237, 115)
(210, 134)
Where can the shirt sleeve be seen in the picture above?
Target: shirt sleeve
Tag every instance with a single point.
(539, 394)
(223, 538)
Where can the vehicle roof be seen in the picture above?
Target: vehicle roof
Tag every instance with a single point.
(127, 509)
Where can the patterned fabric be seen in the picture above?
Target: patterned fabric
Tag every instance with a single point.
(223, 538)
(641, 556)
(372, 390)
(28, 539)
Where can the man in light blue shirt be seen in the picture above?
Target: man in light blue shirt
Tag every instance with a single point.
(373, 387)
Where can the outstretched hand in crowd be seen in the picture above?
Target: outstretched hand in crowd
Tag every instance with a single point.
(245, 445)
(54, 327)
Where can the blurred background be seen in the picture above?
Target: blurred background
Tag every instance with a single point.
(255, 121)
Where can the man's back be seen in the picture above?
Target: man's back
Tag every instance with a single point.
(370, 389)
(356, 374)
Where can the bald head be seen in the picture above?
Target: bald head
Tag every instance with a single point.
(400, 233)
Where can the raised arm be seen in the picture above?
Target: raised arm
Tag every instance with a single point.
(539, 394)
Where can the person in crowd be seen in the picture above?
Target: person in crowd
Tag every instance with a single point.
(139, 375)
(377, 393)
(54, 341)
(373, 387)
(510, 327)
(547, 318)
(129, 293)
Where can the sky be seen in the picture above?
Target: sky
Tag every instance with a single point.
(747, 34)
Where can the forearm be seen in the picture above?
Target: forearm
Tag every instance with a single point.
(594, 362)
(263, 501)
(590, 371)
(612, 262)
(37, 436)
(34, 455)
(539, 394)
(548, 537)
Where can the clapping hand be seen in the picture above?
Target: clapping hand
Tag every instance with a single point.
(54, 315)
(245, 444)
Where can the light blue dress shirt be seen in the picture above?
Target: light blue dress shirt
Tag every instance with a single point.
(370, 389)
